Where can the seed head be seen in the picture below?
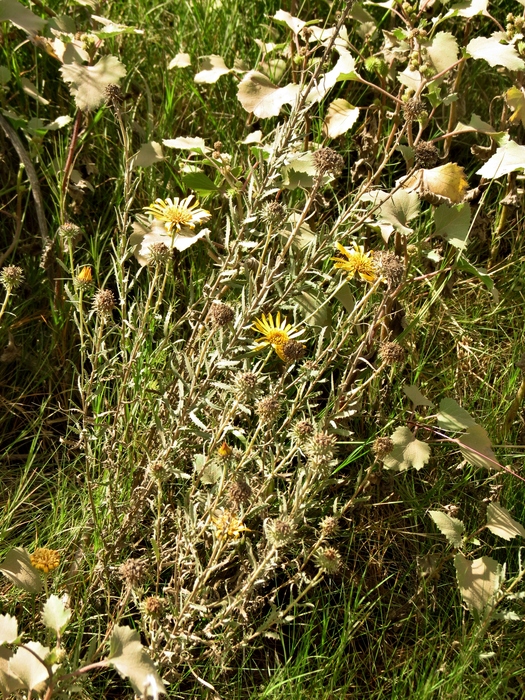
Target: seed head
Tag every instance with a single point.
(329, 526)
(279, 532)
(114, 95)
(239, 493)
(221, 314)
(302, 431)
(392, 352)
(293, 350)
(328, 560)
(157, 471)
(390, 267)
(268, 409)
(133, 572)
(69, 231)
(45, 560)
(382, 447)
(104, 302)
(327, 160)
(247, 384)
(11, 277)
(413, 109)
(159, 255)
(154, 606)
(321, 447)
(426, 155)
(273, 213)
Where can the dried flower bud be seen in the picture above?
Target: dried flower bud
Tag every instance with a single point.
(293, 350)
(247, 384)
(321, 447)
(426, 155)
(159, 255)
(280, 532)
(104, 302)
(84, 280)
(154, 606)
(268, 409)
(221, 314)
(274, 213)
(329, 526)
(390, 267)
(239, 493)
(302, 430)
(157, 471)
(69, 231)
(382, 447)
(328, 560)
(327, 160)
(392, 352)
(11, 277)
(45, 560)
(133, 572)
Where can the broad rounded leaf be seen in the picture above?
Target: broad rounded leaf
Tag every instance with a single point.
(294, 23)
(501, 523)
(130, 659)
(181, 60)
(300, 171)
(515, 98)
(8, 629)
(187, 143)
(340, 117)
(88, 83)
(210, 69)
(149, 153)
(478, 580)
(453, 223)
(452, 417)
(417, 398)
(200, 183)
(443, 51)
(259, 95)
(447, 181)
(452, 528)
(19, 570)
(507, 159)
(20, 16)
(471, 8)
(30, 668)
(399, 209)
(494, 52)
(476, 448)
(55, 614)
(408, 451)
(8, 682)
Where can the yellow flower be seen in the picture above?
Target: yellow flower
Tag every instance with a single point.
(45, 560)
(177, 213)
(224, 450)
(85, 275)
(275, 333)
(227, 525)
(357, 262)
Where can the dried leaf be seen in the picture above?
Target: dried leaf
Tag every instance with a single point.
(20, 16)
(88, 83)
(452, 528)
(453, 224)
(181, 60)
(408, 451)
(130, 659)
(211, 68)
(340, 117)
(494, 52)
(29, 667)
(478, 580)
(447, 181)
(259, 95)
(55, 615)
(443, 51)
(507, 159)
(19, 570)
(501, 523)
(416, 396)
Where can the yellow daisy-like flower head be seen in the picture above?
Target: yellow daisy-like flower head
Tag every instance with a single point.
(356, 261)
(227, 525)
(45, 560)
(275, 333)
(178, 213)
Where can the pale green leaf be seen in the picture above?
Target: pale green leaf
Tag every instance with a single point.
(294, 23)
(411, 78)
(478, 581)
(211, 68)
(399, 209)
(303, 237)
(31, 89)
(8, 629)
(130, 659)
(181, 60)
(5, 75)
(149, 154)
(259, 95)
(452, 528)
(501, 523)
(443, 51)
(55, 615)
(8, 682)
(19, 570)
(365, 23)
(347, 299)
(494, 52)
(452, 223)
(476, 448)
(471, 8)
(200, 183)
(340, 117)
(417, 398)
(408, 451)
(88, 83)
(187, 143)
(452, 417)
(507, 159)
(30, 667)
(300, 171)
(20, 16)
(317, 314)
(477, 124)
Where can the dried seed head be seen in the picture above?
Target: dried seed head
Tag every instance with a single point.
(273, 213)
(159, 255)
(221, 314)
(132, 572)
(157, 471)
(392, 352)
(293, 350)
(11, 277)
(327, 160)
(104, 302)
(217, 146)
(413, 109)
(382, 447)
(247, 384)
(321, 446)
(328, 560)
(302, 431)
(84, 280)
(390, 267)
(426, 155)
(329, 526)
(113, 95)
(154, 606)
(69, 231)
(268, 409)
(45, 560)
(239, 493)
(280, 532)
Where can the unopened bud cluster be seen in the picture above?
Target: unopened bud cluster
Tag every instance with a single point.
(247, 384)
(280, 531)
(302, 431)
(320, 449)
(514, 25)
(329, 526)
(159, 255)
(11, 277)
(328, 560)
(69, 231)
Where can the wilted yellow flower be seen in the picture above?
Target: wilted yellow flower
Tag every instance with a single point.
(227, 525)
(357, 262)
(45, 560)
(177, 213)
(224, 450)
(275, 333)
